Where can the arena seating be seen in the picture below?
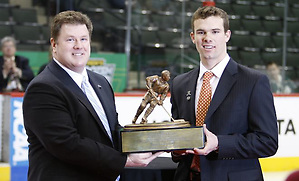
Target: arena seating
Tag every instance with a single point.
(158, 28)
(256, 26)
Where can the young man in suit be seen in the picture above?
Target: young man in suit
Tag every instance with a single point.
(15, 70)
(240, 124)
(69, 113)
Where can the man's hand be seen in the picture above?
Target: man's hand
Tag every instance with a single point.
(10, 66)
(17, 72)
(141, 159)
(211, 144)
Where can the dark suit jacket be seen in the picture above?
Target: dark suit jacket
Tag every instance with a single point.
(241, 114)
(67, 139)
(23, 64)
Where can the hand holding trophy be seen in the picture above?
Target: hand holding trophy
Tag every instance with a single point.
(163, 136)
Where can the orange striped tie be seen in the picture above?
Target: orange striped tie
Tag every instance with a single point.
(202, 109)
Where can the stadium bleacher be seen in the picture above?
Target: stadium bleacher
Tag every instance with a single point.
(257, 28)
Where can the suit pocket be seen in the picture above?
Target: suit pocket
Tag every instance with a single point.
(247, 175)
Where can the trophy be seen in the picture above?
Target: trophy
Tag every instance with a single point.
(163, 136)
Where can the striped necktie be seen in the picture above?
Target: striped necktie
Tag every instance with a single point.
(96, 104)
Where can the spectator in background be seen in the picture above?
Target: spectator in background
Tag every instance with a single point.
(278, 85)
(15, 70)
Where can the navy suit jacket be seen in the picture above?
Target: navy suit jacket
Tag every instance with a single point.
(241, 114)
(67, 140)
(23, 64)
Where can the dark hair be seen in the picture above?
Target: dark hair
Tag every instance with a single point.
(69, 17)
(208, 11)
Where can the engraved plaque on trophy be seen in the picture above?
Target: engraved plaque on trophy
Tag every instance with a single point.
(164, 136)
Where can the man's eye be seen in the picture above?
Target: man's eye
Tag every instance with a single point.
(70, 39)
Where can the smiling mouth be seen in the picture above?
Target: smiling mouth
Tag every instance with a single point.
(77, 54)
(208, 46)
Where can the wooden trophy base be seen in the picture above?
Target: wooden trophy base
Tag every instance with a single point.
(165, 136)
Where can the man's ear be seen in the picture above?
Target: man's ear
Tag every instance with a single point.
(227, 35)
(192, 37)
(53, 44)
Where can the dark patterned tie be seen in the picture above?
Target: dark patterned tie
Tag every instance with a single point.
(202, 109)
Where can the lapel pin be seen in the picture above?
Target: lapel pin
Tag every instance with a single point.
(188, 95)
(99, 86)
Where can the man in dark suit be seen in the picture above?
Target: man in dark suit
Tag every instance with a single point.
(240, 125)
(15, 70)
(69, 113)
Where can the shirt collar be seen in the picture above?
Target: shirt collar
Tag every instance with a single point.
(217, 70)
(78, 78)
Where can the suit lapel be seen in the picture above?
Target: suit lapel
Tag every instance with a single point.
(225, 84)
(73, 87)
(192, 82)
